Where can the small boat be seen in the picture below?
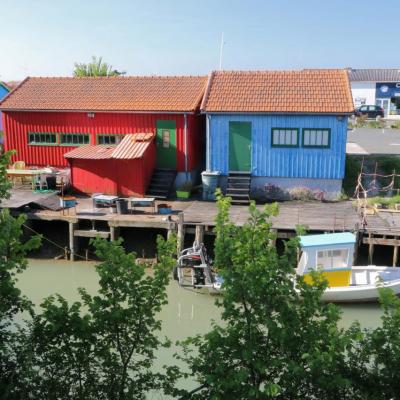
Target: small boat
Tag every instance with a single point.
(332, 254)
(194, 269)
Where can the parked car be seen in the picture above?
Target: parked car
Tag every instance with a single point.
(370, 111)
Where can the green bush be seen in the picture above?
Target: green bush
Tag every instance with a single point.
(352, 170)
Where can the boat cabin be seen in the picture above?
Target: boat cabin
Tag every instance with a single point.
(331, 253)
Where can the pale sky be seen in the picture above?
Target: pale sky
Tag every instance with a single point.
(182, 37)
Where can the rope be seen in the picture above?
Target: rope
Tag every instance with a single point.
(58, 245)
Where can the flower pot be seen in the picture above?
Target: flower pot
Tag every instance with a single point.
(182, 194)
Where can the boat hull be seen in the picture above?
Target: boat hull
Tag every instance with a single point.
(365, 285)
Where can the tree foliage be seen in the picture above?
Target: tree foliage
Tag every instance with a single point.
(12, 303)
(103, 347)
(5, 184)
(277, 340)
(97, 67)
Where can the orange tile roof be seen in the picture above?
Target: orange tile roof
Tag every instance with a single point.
(306, 91)
(131, 146)
(130, 94)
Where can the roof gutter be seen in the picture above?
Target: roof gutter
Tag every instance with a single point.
(99, 111)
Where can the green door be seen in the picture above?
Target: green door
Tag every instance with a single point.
(239, 146)
(166, 144)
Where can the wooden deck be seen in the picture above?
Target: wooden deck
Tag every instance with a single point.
(341, 216)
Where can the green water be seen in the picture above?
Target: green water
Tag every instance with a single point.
(186, 314)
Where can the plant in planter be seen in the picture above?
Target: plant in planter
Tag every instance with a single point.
(184, 190)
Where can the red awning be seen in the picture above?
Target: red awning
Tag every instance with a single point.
(131, 146)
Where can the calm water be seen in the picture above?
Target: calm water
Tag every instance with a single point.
(187, 313)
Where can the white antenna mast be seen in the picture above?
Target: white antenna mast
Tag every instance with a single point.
(221, 50)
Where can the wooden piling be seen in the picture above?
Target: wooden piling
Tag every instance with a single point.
(180, 238)
(113, 233)
(395, 254)
(275, 232)
(370, 249)
(199, 234)
(72, 241)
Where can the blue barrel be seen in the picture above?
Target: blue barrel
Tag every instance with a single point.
(210, 181)
(67, 201)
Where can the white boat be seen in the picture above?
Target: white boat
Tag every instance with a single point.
(332, 254)
(194, 269)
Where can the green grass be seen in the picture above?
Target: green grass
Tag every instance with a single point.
(385, 201)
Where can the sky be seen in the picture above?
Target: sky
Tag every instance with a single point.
(183, 37)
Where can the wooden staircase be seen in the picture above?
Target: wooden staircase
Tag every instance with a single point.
(238, 187)
(161, 183)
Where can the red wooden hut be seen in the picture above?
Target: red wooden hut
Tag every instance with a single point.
(123, 170)
(44, 118)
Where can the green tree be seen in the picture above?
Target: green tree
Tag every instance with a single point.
(97, 67)
(374, 360)
(12, 303)
(5, 184)
(277, 339)
(104, 346)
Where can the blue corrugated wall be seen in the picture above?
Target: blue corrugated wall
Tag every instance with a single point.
(3, 92)
(281, 162)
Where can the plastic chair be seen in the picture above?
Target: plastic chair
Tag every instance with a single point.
(19, 165)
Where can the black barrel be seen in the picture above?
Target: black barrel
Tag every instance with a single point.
(122, 206)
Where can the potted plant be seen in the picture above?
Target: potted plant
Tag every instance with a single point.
(184, 190)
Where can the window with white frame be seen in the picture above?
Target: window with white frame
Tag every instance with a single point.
(317, 138)
(285, 137)
(331, 259)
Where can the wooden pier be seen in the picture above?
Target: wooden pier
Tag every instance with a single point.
(198, 218)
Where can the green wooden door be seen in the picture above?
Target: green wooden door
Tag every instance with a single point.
(166, 144)
(239, 146)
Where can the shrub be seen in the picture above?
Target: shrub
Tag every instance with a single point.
(301, 193)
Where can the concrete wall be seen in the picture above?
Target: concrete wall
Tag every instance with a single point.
(363, 91)
(323, 189)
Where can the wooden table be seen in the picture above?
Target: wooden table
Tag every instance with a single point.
(104, 200)
(143, 201)
(23, 173)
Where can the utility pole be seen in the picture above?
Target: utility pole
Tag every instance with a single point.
(221, 50)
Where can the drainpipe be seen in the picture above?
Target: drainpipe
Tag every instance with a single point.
(185, 144)
(208, 144)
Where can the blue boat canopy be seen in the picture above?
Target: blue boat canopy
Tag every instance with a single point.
(327, 239)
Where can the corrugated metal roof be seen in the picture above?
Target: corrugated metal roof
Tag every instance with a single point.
(374, 75)
(327, 239)
(129, 94)
(308, 91)
(91, 152)
(131, 147)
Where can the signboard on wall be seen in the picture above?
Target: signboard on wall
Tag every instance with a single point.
(387, 90)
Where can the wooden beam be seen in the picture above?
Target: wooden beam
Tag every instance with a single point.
(91, 233)
(381, 241)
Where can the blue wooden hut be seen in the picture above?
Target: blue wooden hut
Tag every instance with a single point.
(283, 131)
(4, 90)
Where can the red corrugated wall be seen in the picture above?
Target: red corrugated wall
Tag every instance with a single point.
(114, 176)
(18, 124)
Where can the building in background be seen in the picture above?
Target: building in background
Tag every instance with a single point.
(44, 118)
(377, 87)
(284, 129)
(4, 90)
